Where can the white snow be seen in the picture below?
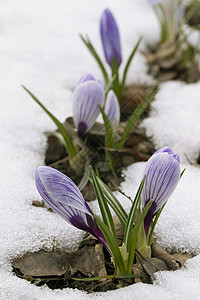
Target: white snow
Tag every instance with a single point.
(40, 48)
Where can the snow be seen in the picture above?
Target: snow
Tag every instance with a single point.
(40, 48)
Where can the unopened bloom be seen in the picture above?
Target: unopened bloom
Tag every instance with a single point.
(88, 95)
(63, 196)
(110, 37)
(162, 176)
(112, 109)
(154, 1)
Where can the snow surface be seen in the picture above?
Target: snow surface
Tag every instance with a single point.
(41, 49)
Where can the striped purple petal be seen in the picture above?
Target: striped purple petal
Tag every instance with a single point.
(112, 109)
(110, 37)
(88, 95)
(85, 77)
(162, 176)
(63, 196)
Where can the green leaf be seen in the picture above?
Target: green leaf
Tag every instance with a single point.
(116, 84)
(182, 172)
(134, 236)
(67, 140)
(154, 225)
(135, 116)
(108, 127)
(105, 211)
(109, 85)
(128, 64)
(92, 50)
(131, 217)
(113, 202)
(113, 244)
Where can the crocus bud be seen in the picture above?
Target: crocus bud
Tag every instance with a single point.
(88, 95)
(110, 38)
(63, 196)
(112, 109)
(162, 176)
(154, 1)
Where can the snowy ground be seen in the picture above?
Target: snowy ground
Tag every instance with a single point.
(40, 48)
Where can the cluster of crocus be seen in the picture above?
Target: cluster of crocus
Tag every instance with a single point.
(162, 173)
(89, 96)
(110, 38)
(170, 14)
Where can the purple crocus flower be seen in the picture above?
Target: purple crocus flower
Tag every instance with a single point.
(88, 95)
(112, 109)
(63, 196)
(110, 37)
(162, 176)
(154, 1)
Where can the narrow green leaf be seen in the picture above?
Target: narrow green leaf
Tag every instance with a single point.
(154, 225)
(182, 172)
(67, 140)
(135, 234)
(113, 244)
(128, 64)
(108, 127)
(116, 84)
(135, 116)
(109, 85)
(113, 202)
(92, 50)
(129, 224)
(105, 211)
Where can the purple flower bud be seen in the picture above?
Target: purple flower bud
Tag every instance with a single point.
(154, 1)
(63, 196)
(162, 175)
(88, 95)
(110, 37)
(112, 109)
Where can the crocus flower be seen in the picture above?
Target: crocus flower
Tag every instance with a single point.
(88, 95)
(110, 37)
(154, 1)
(162, 175)
(112, 109)
(63, 196)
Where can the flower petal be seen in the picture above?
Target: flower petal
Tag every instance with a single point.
(110, 37)
(162, 176)
(112, 109)
(88, 95)
(64, 197)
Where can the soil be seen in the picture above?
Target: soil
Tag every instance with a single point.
(78, 269)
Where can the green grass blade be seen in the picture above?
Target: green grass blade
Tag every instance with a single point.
(67, 140)
(113, 244)
(134, 235)
(105, 211)
(135, 116)
(92, 50)
(131, 217)
(128, 64)
(113, 202)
